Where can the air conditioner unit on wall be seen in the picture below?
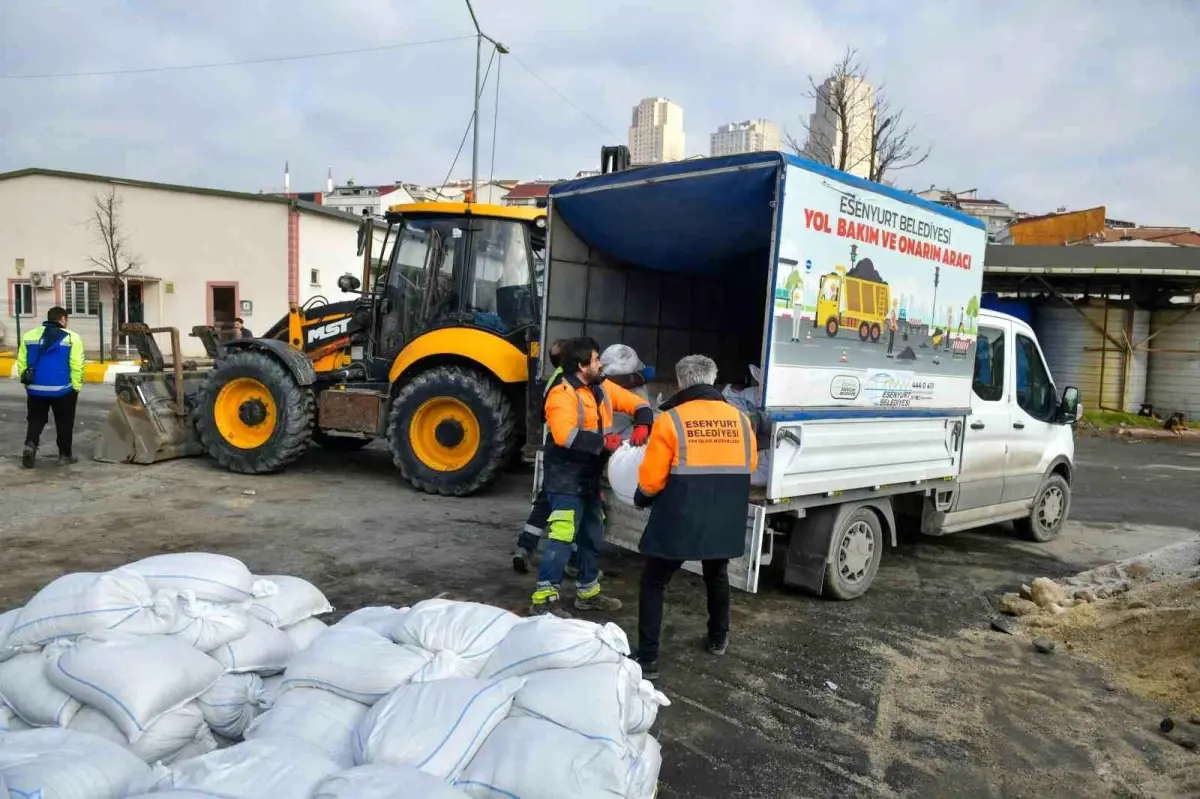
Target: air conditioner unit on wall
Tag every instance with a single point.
(42, 280)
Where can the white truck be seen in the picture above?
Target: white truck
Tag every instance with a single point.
(887, 396)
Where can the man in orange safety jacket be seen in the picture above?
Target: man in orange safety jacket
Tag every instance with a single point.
(695, 478)
(579, 413)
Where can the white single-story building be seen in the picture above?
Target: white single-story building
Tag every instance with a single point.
(203, 256)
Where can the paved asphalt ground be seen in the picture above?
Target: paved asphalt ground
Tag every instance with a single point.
(883, 696)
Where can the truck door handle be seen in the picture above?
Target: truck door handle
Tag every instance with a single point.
(977, 425)
(1019, 425)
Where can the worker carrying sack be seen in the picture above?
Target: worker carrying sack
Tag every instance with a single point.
(623, 469)
(619, 360)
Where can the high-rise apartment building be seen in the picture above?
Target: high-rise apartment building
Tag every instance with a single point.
(751, 136)
(827, 129)
(656, 133)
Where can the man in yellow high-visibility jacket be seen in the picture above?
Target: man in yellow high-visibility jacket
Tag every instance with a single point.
(50, 366)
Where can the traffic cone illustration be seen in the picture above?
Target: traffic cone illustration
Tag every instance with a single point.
(843, 359)
(808, 336)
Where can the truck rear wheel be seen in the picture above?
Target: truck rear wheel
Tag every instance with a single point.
(831, 327)
(864, 331)
(450, 431)
(876, 332)
(252, 417)
(857, 547)
(1049, 513)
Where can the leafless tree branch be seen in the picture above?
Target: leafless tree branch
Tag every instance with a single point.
(117, 261)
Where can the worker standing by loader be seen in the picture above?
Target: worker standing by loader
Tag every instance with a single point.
(535, 525)
(50, 366)
(579, 411)
(695, 478)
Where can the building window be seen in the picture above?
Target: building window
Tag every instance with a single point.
(20, 300)
(314, 277)
(82, 299)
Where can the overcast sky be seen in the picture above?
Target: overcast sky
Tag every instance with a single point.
(1039, 104)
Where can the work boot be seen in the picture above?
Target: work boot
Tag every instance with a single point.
(28, 456)
(67, 460)
(718, 646)
(551, 606)
(592, 599)
(521, 558)
(649, 667)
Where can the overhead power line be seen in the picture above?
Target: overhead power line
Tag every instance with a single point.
(215, 65)
(600, 125)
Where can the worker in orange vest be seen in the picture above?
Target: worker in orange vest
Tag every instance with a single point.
(695, 478)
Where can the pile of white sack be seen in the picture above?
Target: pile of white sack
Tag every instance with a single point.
(185, 675)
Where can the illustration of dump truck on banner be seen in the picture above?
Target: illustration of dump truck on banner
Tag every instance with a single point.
(856, 299)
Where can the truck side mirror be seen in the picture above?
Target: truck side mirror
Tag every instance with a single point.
(348, 283)
(1070, 410)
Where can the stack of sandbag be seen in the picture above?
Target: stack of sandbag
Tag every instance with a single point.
(445, 699)
(164, 657)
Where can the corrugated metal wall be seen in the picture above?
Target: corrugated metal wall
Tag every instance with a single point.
(1174, 381)
(1071, 346)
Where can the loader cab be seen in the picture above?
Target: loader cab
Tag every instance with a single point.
(457, 264)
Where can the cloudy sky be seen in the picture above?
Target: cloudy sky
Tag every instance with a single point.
(1040, 104)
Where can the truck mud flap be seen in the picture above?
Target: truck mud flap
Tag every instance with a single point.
(146, 425)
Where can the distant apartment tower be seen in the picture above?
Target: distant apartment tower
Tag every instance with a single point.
(751, 136)
(656, 134)
(826, 130)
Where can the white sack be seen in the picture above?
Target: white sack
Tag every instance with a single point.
(468, 629)
(8, 620)
(619, 360)
(615, 704)
(26, 688)
(217, 578)
(288, 600)
(272, 688)
(134, 680)
(548, 642)
(535, 759)
(161, 741)
(385, 782)
(356, 663)
(623, 469)
(382, 620)
(435, 726)
(232, 703)
(10, 721)
(76, 604)
(207, 625)
(643, 773)
(202, 744)
(317, 718)
(263, 649)
(445, 666)
(64, 764)
(252, 770)
(305, 632)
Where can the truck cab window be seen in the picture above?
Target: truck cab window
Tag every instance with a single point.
(501, 290)
(1035, 390)
(989, 365)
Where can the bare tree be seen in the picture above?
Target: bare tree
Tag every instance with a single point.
(117, 261)
(854, 129)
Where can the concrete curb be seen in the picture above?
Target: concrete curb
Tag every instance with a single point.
(103, 373)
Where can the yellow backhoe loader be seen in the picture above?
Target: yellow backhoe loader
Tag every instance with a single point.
(434, 356)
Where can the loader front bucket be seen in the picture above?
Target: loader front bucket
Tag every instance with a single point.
(148, 423)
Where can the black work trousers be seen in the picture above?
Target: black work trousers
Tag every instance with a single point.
(37, 413)
(656, 574)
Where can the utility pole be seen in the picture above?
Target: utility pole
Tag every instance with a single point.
(502, 50)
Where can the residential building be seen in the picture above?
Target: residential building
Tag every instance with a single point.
(375, 200)
(998, 216)
(751, 136)
(827, 131)
(204, 256)
(490, 192)
(529, 195)
(656, 132)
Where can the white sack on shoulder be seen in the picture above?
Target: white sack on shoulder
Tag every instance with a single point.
(548, 642)
(263, 650)
(206, 625)
(217, 578)
(623, 469)
(76, 604)
(385, 782)
(250, 770)
(317, 718)
(536, 759)
(305, 632)
(434, 726)
(382, 620)
(25, 687)
(232, 703)
(161, 741)
(134, 680)
(356, 663)
(292, 600)
(468, 629)
(64, 764)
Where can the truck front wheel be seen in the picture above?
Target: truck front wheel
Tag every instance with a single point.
(876, 332)
(864, 331)
(854, 562)
(1050, 509)
(831, 327)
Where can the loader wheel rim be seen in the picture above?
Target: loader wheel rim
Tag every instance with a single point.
(444, 434)
(245, 413)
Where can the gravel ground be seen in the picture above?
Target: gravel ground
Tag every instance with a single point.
(901, 693)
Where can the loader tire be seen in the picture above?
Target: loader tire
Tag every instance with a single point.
(339, 443)
(450, 431)
(252, 417)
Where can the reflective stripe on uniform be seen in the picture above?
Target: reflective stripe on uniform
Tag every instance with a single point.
(36, 387)
(561, 526)
(544, 593)
(683, 467)
(588, 591)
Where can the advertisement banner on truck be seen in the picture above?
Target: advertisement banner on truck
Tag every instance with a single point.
(876, 300)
